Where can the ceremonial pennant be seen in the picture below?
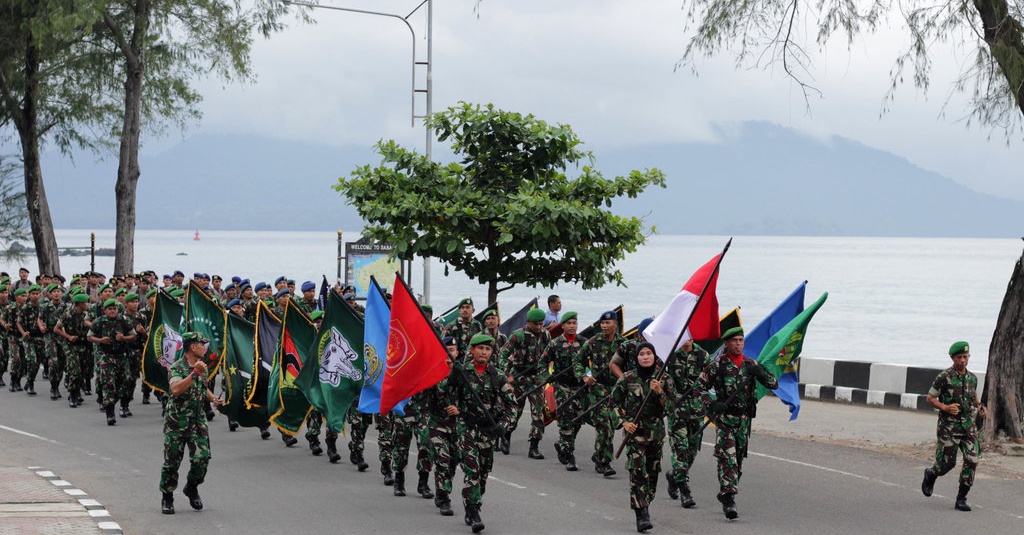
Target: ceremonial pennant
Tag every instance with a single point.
(164, 344)
(755, 339)
(237, 367)
(663, 332)
(781, 356)
(204, 316)
(375, 346)
(321, 299)
(287, 405)
(265, 341)
(416, 358)
(517, 320)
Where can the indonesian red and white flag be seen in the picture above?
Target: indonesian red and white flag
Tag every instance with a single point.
(664, 330)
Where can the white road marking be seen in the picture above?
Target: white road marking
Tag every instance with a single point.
(32, 435)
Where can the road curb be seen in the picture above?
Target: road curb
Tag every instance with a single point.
(95, 509)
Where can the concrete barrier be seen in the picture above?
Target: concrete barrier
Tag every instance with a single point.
(869, 383)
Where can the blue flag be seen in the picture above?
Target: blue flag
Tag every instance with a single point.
(781, 356)
(755, 339)
(375, 346)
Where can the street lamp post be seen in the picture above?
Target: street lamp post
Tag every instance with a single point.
(428, 91)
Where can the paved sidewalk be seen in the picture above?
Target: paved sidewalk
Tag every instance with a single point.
(903, 431)
(36, 501)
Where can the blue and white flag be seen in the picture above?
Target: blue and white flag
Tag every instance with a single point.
(375, 347)
(755, 339)
(781, 356)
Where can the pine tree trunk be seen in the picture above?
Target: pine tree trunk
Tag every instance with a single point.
(1004, 378)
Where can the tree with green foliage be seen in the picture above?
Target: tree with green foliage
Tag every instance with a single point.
(13, 212)
(507, 214)
(785, 33)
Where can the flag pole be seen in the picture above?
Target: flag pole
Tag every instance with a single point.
(668, 360)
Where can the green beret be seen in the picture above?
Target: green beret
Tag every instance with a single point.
(177, 292)
(151, 293)
(959, 347)
(317, 314)
(20, 291)
(466, 301)
(35, 288)
(80, 298)
(51, 287)
(732, 333)
(568, 316)
(191, 336)
(104, 287)
(120, 291)
(481, 339)
(5, 280)
(132, 296)
(110, 303)
(77, 290)
(428, 309)
(535, 314)
(3, 287)
(490, 312)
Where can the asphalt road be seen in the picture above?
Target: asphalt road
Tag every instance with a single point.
(254, 486)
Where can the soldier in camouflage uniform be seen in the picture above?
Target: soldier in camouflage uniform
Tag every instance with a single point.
(442, 432)
(15, 348)
(522, 361)
(139, 322)
(111, 334)
(73, 331)
(685, 418)
(404, 428)
(5, 327)
(645, 427)
(359, 423)
(491, 329)
(49, 314)
(955, 394)
(31, 337)
(464, 327)
(308, 302)
(185, 423)
(561, 355)
(478, 426)
(732, 377)
(385, 424)
(592, 368)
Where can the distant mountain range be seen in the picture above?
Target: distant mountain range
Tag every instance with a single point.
(759, 179)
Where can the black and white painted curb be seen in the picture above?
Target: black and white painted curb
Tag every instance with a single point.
(95, 509)
(869, 383)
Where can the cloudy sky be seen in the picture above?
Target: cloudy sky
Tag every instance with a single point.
(605, 67)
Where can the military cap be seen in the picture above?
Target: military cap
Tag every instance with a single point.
(3, 287)
(244, 286)
(316, 314)
(535, 314)
(77, 290)
(260, 286)
(20, 291)
(151, 293)
(234, 302)
(179, 272)
(448, 341)
(958, 348)
(732, 333)
(291, 282)
(466, 301)
(236, 279)
(22, 269)
(53, 286)
(177, 292)
(166, 276)
(104, 287)
(480, 339)
(348, 287)
(488, 313)
(35, 288)
(120, 291)
(280, 279)
(193, 337)
(568, 316)
(132, 296)
(79, 298)
(282, 293)
(110, 303)
(197, 275)
(643, 325)
(308, 285)
(230, 286)
(609, 315)
(428, 309)
(5, 280)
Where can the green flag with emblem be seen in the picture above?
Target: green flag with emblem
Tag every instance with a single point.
(333, 376)
(164, 344)
(287, 405)
(204, 316)
(238, 362)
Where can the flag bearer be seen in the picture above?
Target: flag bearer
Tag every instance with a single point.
(442, 429)
(955, 393)
(685, 418)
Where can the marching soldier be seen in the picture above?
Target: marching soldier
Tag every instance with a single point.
(110, 333)
(49, 314)
(31, 337)
(592, 367)
(73, 331)
(955, 394)
(15, 347)
(522, 360)
(561, 355)
(442, 430)
(5, 328)
(685, 418)
(464, 327)
(490, 328)
(732, 378)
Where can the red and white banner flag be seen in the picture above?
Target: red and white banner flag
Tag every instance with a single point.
(664, 330)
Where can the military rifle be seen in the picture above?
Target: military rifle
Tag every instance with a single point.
(542, 385)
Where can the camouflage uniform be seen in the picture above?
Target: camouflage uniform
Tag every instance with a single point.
(50, 313)
(143, 318)
(32, 345)
(462, 331)
(359, 423)
(500, 339)
(522, 358)
(475, 436)
(15, 349)
(114, 380)
(385, 424)
(404, 428)
(644, 449)
(443, 438)
(185, 426)
(78, 354)
(685, 411)
(725, 378)
(561, 354)
(5, 337)
(593, 359)
(957, 432)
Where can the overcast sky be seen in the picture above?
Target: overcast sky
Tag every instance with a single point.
(605, 67)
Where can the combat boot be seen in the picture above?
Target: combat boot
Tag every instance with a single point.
(687, 498)
(30, 388)
(53, 393)
(673, 490)
(208, 407)
(728, 505)
(423, 486)
(505, 444)
(559, 452)
(473, 519)
(265, 433)
(643, 520)
(15, 383)
(928, 484)
(126, 412)
(73, 399)
(109, 409)
(961, 498)
(167, 503)
(2, 383)
(570, 462)
(289, 440)
(443, 503)
(86, 387)
(332, 449)
(389, 479)
(314, 446)
(534, 452)
(145, 399)
(192, 492)
(232, 425)
(399, 489)
(46, 373)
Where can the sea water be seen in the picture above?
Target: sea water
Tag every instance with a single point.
(896, 300)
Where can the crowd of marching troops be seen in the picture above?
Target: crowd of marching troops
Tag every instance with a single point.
(87, 333)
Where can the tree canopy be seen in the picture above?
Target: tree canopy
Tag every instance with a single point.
(507, 214)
